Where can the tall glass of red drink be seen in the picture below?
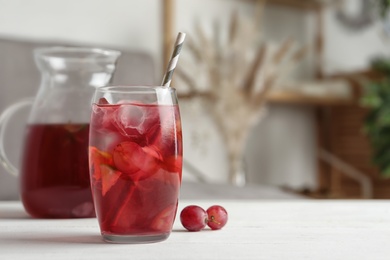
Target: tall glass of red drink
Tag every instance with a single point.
(135, 161)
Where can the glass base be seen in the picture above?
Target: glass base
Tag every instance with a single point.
(135, 239)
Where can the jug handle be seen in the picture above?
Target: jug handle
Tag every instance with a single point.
(4, 118)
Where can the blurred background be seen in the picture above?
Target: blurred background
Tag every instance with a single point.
(285, 97)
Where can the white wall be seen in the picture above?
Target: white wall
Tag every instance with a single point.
(136, 25)
(123, 24)
(347, 50)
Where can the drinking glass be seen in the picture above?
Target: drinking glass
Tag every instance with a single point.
(135, 157)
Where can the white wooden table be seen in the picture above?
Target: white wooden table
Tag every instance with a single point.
(307, 229)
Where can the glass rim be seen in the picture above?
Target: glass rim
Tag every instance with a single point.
(133, 89)
(62, 51)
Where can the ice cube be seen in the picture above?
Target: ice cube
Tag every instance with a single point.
(102, 118)
(165, 134)
(153, 135)
(135, 120)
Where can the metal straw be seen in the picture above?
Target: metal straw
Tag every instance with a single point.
(174, 59)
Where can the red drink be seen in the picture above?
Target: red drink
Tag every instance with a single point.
(135, 164)
(55, 181)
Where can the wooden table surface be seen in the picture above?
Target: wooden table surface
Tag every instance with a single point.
(303, 229)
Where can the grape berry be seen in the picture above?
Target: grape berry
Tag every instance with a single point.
(217, 217)
(194, 218)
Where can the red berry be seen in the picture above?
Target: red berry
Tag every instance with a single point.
(193, 218)
(217, 217)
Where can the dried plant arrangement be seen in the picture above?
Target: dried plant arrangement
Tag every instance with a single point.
(233, 78)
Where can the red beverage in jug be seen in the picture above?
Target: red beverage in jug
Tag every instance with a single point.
(135, 161)
(55, 176)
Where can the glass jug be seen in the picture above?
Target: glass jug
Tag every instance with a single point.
(54, 174)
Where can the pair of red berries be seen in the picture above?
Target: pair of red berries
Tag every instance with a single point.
(195, 218)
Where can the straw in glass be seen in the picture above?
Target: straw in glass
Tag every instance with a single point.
(174, 59)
